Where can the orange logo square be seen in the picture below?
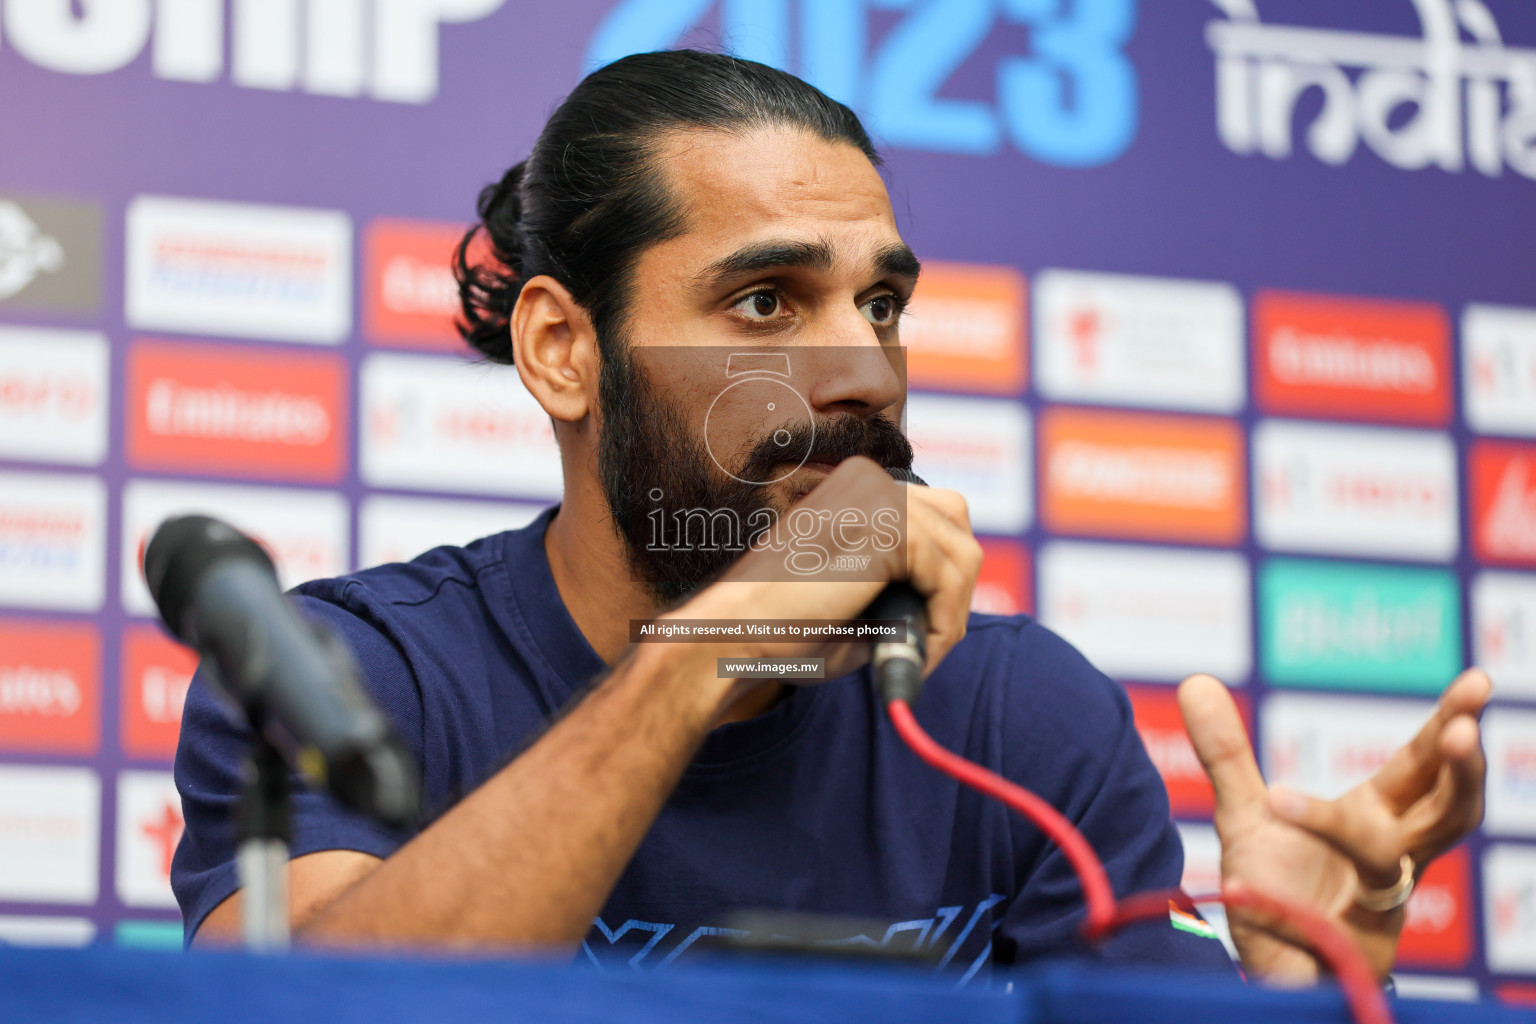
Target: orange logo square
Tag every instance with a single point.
(1142, 476)
(1161, 727)
(1348, 358)
(50, 687)
(1438, 929)
(1003, 586)
(964, 329)
(410, 297)
(156, 674)
(237, 410)
(1502, 482)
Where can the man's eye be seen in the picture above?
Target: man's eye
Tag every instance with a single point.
(882, 310)
(760, 305)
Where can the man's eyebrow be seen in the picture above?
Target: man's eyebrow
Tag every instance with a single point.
(898, 260)
(770, 255)
(895, 259)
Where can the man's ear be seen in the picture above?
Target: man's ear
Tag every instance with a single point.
(554, 348)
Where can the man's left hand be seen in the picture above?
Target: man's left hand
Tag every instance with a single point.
(1322, 853)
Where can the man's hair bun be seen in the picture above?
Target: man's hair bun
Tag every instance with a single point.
(488, 288)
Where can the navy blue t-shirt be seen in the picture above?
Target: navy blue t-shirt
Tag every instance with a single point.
(814, 806)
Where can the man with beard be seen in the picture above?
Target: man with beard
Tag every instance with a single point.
(586, 793)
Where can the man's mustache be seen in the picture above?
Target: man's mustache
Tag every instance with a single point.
(831, 440)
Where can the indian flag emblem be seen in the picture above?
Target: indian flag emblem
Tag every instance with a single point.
(1187, 922)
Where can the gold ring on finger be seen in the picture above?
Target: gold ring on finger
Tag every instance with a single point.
(1393, 896)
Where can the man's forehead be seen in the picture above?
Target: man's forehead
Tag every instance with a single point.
(776, 185)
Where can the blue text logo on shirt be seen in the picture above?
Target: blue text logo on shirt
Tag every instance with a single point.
(651, 945)
(1072, 101)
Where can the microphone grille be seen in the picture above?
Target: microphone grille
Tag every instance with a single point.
(181, 551)
(906, 476)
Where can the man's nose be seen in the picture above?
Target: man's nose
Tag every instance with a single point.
(853, 372)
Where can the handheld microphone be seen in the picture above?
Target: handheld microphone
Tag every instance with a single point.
(217, 592)
(898, 664)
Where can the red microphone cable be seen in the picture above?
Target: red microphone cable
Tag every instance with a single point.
(1105, 916)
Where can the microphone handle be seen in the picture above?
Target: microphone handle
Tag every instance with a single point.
(898, 664)
(295, 682)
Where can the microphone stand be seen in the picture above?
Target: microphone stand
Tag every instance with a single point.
(265, 826)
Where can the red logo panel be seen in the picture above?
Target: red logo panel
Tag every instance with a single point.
(1502, 482)
(1438, 931)
(1003, 586)
(1366, 359)
(50, 687)
(410, 296)
(1156, 709)
(156, 673)
(1517, 994)
(235, 410)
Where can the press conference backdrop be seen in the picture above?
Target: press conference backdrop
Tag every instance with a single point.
(1227, 330)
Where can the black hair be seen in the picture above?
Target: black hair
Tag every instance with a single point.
(589, 198)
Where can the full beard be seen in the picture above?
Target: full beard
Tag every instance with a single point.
(653, 468)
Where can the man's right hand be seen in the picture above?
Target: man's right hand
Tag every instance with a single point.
(940, 557)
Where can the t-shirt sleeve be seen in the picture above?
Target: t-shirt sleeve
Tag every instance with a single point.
(211, 754)
(1064, 713)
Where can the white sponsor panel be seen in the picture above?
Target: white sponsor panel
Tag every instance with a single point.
(1504, 631)
(1355, 490)
(53, 541)
(1161, 343)
(54, 393)
(439, 423)
(395, 529)
(1326, 746)
(241, 270)
(36, 930)
(980, 447)
(1145, 613)
(1498, 369)
(50, 834)
(1202, 859)
(1509, 739)
(1509, 908)
(306, 532)
(1437, 987)
(1202, 876)
(149, 825)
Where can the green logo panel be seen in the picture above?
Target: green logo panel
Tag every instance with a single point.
(149, 934)
(1349, 625)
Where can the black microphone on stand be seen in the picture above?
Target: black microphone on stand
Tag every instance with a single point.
(898, 664)
(217, 591)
